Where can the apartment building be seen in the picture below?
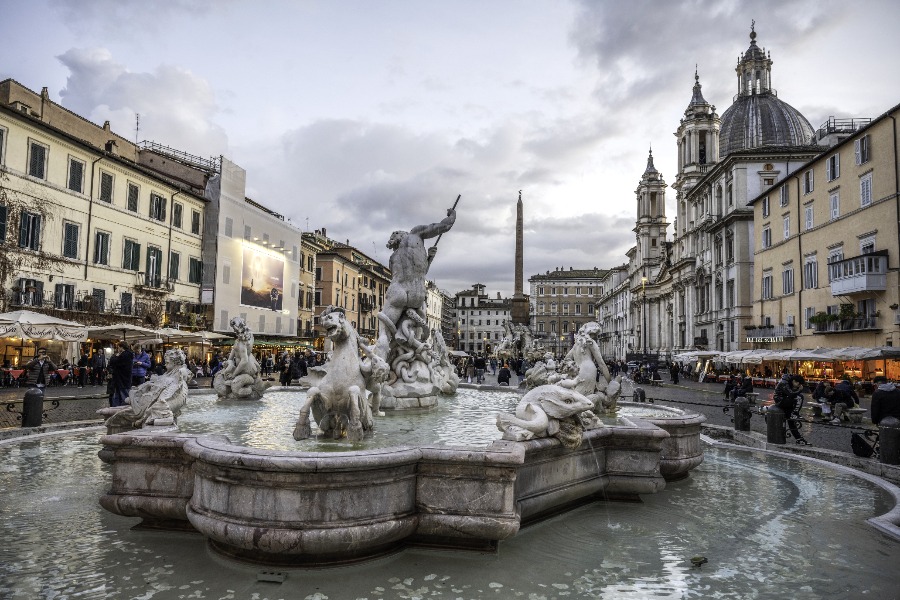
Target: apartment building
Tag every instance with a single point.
(562, 301)
(480, 320)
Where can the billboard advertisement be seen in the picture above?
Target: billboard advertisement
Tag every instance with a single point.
(262, 280)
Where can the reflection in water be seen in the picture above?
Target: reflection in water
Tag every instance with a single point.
(771, 528)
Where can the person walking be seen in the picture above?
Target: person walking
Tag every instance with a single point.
(84, 364)
(98, 367)
(120, 366)
(140, 367)
(480, 366)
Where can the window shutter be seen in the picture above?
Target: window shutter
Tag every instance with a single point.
(2, 221)
(828, 174)
(23, 230)
(162, 212)
(837, 166)
(39, 293)
(856, 149)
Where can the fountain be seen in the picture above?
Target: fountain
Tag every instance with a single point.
(240, 378)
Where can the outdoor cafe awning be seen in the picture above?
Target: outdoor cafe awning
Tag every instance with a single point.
(27, 324)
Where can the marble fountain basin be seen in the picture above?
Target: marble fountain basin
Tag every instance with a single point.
(277, 505)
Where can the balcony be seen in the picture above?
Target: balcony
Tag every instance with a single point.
(769, 334)
(866, 273)
(869, 323)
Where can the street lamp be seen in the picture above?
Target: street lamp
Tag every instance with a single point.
(644, 314)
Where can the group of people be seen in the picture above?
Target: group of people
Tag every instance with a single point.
(836, 400)
(289, 367)
(472, 369)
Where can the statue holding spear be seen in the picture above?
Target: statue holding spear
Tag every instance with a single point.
(409, 263)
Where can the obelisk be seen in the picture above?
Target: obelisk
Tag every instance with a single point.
(520, 310)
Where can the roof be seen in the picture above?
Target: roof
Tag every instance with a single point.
(570, 274)
(762, 120)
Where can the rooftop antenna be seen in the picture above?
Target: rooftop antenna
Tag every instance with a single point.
(137, 126)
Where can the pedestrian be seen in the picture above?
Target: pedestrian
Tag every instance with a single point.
(299, 366)
(470, 370)
(120, 366)
(98, 367)
(673, 371)
(504, 376)
(40, 369)
(83, 367)
(493, 365)
(480, 365)
(885, 400)
(788, 395)
(140, 366)
(284, 369)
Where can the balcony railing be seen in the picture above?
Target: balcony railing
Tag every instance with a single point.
(845, 325)
(866, 273)
(774, 331)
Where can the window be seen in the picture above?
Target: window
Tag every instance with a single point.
(787, 227)
(865, 190)
(729, 293)
(248, 232)
(867, 245)
(30, 231)
(577, 309)
(784, 195)
(106, 186)
(226, 271)
(540, 327)
(767, 292)
(540, 308)
(833, 167)
(70, 240)
(765, 207)
(131, 259)
(64, 296)
(229, 227)
(154, 266)
(127, 303)
(540, 290)
(808, 182)
(195, 270)
(863, 149)
(132, 201)
(76, 175)
(808, 213)
(101, 248)
(177, 210)
(565, 308)
(835, 255)
(2, 138)
(174, 265)
(157, 207)
(99, 299)
(2, 223)
(811, 273)
(835, 201)
(37, 160)
(787, 281)
(590, 309)
(808, 312)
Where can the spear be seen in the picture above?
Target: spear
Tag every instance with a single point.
(448, 214)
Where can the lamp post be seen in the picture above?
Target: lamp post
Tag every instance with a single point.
(644, 315)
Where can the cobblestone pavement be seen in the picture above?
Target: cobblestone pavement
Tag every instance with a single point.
(80, 404)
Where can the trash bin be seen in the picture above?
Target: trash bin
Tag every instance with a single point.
(742, 414)
(33, 407)
(775, 430)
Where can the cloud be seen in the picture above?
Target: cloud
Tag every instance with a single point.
(176, 107)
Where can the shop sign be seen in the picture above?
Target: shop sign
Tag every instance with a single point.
(765, 340)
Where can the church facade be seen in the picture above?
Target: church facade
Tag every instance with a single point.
(696, 291)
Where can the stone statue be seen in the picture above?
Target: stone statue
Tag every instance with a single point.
(158, 401)
(404, 330)
(583, 364)
(240, 377)
(518, 341)
(339, 402)
(550, 411)
(541, 373)
(443, 370)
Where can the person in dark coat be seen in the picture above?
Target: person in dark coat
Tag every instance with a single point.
(120, 372)
(83, 363)
(788, 395)
(504, 375)
(40, 369)
(885, 400)
(98, 367)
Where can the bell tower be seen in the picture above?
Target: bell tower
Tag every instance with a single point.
(651, 222)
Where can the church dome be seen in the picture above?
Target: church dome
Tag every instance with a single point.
(757, 117)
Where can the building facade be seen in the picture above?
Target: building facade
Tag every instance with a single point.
(827, 245)
(561, 302)
(480, 320)
(89, 231)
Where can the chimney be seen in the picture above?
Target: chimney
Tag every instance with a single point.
(498, 295)
(323, 233)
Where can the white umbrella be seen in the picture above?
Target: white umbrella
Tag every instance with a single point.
(38, 326)
(120, 331)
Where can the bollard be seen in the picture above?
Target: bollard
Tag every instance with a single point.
(33, 407)
(640, 395)
(889, 440)
(742, 414)
(775, 433)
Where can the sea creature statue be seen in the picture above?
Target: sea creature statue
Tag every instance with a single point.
(240, 377)
(549, 411)
(542, 372)
(339, 402)
(444, 372)
(518, 341)
(582, 365)
(158, 401)
(402, 342)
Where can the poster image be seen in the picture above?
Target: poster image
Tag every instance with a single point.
(262, 280)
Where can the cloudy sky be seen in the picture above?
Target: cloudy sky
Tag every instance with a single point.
(368, 116)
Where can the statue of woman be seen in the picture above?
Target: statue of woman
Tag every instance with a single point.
(158, 401)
